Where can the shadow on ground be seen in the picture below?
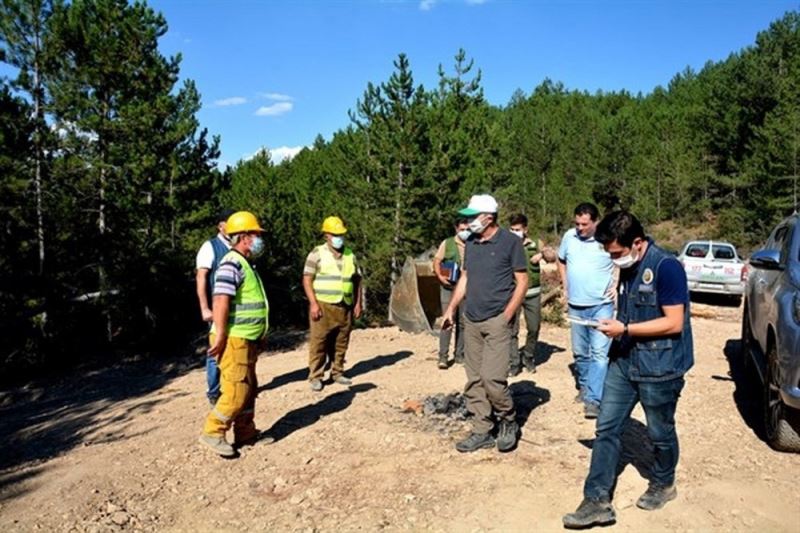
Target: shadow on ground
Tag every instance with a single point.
(44, 420)
(544, 351)
(527, 397)
(308, 415)
(360, 368)
(748, 393)
(637, 449)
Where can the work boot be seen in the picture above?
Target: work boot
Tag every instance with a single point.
(507, 436)
(591, 410)
(579, 396)
(316, 385)
(459, 360)
(514, 371)
(218, 444)
(341, 380)
(656, 496)
(530, 364)
(474, 442)
(262, 437)
(591, 512)
(442, 363)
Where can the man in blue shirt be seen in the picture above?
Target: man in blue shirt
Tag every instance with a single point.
(588, 277)
(651, 352)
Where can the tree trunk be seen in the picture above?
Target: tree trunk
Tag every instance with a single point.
(39, 152)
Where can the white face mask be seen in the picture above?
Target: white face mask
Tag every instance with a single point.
(464, 234)
(477, 225)
(626, 261)
(337, 242)
(519, 233)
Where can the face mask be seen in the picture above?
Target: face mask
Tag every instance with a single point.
(464, 234)
(477, 226)
(337, 242)
(626, 261)
(519, 233)
(257, 246)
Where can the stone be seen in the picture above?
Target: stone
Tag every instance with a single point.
(120, 518)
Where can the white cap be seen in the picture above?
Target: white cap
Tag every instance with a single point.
(480, 203)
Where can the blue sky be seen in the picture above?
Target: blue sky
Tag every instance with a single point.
(276, 74)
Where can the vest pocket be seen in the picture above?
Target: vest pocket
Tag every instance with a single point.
(646, 299)
(654, 358)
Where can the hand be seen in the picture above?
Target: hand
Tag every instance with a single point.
(208, 316)
(314, 311)
(444, 280)
(447, 319)
(611, 293)
(611, 328)
(536, 259)
(218, 348)
(509, 318)
(357, 310)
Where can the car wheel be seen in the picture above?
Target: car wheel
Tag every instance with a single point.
(780, 432)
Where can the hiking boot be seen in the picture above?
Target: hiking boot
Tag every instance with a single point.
(442, 363)
(218, 444)
(579, 396)
(530, 364)
(316, 385)
(262, 437)
(475, 441)
(507, 436)
(514, 371)
(341, 380)
(591, 512)
(656, 496)
(591, 410)
(459, 360)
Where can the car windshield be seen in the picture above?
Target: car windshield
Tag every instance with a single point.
(722, 251)
(697, 250)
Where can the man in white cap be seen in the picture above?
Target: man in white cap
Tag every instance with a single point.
(494, 280)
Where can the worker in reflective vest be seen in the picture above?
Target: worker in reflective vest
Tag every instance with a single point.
(240, 324)
(331, 283)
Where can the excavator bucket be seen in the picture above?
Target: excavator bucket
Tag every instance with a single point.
(415, 303)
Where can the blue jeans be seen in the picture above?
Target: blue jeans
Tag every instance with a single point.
(591, 350)
(659, 400)
(212, 378)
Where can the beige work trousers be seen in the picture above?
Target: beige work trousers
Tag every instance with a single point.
(486, 346)
(328, 340)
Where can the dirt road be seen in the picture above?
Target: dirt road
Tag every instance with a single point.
(117, 450)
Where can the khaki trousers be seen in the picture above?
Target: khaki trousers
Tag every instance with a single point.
(486, 346)
(239, 386)
(328, 340)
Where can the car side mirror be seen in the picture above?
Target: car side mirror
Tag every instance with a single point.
(766, 259)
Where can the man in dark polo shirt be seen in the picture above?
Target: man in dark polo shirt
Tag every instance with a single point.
(494, 279)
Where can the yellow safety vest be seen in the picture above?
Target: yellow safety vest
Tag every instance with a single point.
(332, 285)
(249, 310)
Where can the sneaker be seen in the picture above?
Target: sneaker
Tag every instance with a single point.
(656, 496)
(514, 371)
(474, 442)
(591, 512)
(218, 444)
(442, 363)
(507, 436)
(341, 380)
(316, 385)
(591, 410)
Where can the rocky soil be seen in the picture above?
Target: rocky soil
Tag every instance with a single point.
(117, 450)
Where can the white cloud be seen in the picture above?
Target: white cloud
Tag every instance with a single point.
(277, 97)
(233, 100)
(427, 5)
(277, 155)
(273, 110)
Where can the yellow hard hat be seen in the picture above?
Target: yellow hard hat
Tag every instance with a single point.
(241, 222)
(334, 225)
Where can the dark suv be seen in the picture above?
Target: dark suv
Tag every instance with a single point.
(771, 331)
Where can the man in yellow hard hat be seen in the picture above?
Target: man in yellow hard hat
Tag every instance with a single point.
(331, 283)
(240, 323)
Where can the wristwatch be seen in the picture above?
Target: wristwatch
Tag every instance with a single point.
(625, 331)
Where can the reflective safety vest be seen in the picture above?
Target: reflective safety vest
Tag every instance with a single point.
(332, 285)
(248, 317)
